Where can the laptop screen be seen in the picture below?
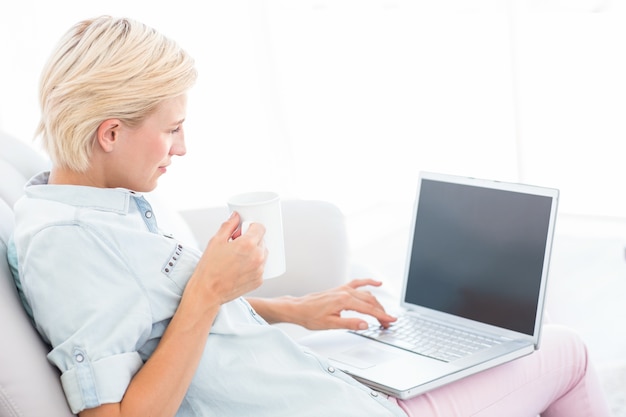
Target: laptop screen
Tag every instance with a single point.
(479, 253)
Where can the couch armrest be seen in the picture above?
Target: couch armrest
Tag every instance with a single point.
(316, 245)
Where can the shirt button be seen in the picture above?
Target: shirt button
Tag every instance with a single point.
(331, 369)
(374, 394)
(79, 358)
(148, 214)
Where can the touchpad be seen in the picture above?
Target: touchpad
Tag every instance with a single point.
(363, 357)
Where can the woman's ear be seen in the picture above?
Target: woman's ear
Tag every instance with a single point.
(108, 134)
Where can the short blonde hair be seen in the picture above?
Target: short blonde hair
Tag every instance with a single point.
(106, 68)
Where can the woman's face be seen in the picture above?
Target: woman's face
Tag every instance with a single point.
(143, 153)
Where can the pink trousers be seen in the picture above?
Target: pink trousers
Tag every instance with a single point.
(555, 381)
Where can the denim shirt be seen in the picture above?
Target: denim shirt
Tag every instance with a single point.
(102, 283)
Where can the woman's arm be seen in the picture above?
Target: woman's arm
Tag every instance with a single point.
(227, 269)
(322, 310)
(160, 385)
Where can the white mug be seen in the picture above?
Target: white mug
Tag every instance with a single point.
(264, 207)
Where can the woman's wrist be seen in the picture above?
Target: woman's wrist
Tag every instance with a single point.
(277, 310)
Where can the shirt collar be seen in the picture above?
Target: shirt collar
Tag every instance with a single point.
(108, 199)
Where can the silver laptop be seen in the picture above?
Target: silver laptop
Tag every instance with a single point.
(473, 291)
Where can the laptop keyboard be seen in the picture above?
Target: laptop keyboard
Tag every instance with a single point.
(428, 338)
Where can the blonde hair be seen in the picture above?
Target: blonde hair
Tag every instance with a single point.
(106, 68)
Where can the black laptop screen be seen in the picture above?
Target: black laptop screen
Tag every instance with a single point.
(479, 253)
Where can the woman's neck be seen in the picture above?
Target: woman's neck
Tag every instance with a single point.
(64, 176)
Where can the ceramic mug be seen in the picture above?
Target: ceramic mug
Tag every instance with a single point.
(264, 207)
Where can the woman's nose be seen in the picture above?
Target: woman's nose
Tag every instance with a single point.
(178, 147)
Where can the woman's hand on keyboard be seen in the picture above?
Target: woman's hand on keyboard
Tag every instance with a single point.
(322, 310)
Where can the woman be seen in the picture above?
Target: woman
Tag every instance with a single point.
(141, 325)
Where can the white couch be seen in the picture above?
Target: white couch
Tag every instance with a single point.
(316, 247)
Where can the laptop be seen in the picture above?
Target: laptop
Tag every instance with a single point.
(476, 273)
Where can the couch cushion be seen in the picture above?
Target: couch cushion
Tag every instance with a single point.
(18, 162)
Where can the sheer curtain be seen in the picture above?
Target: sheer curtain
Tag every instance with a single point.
(346, 100)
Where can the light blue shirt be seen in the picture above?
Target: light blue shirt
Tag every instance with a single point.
(102, 283)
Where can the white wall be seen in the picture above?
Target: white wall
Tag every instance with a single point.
(346, 100)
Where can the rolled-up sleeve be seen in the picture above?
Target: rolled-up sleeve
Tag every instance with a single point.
(91, 309)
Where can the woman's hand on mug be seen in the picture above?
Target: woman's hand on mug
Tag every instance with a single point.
(232, 263)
